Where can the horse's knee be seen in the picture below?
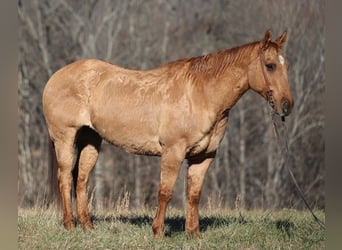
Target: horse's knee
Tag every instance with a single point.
(164, 195)
(64, 180)
(194, 198)
(82, 179)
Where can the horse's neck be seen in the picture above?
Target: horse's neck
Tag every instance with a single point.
(227, 89)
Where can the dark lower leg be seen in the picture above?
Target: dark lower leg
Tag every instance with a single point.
(65, 181)
(164, 198)
(192, 218)
(82, 203)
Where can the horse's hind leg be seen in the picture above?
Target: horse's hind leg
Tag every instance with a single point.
(64, 148)
(88, 143)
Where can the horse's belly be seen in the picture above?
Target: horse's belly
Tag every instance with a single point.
(126, 123)
(151, 147)
(135, 144)
(137, 138)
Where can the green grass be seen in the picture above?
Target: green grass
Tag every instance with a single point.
(221, 229)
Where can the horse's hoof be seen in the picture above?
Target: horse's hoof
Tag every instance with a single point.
(70, 225)
(158, 232)
(87, 225)
(190, 234)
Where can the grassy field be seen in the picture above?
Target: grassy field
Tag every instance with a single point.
(221, 229)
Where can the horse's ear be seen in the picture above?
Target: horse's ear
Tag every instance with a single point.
(281, 40)
(266, 40)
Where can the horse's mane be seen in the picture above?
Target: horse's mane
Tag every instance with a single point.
(214, 64)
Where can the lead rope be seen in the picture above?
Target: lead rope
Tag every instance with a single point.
(285, 152)
(285, 148)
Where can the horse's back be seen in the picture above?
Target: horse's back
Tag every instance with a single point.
(105, 97)
(76, 78)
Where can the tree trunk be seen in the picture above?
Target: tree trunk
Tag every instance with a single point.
(242, 158)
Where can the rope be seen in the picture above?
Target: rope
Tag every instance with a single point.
(285, 148)
(285, 152)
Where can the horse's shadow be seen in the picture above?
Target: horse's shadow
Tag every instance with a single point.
(175, 224)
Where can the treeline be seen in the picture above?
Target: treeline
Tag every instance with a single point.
(249, 169)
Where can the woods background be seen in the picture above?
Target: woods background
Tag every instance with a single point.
(144, 34)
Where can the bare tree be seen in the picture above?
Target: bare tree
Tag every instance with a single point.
(145, 34)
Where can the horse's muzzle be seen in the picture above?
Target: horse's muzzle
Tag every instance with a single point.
(286, 107)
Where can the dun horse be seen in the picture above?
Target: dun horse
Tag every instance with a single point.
(177, 111)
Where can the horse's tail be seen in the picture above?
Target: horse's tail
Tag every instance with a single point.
(54, 196)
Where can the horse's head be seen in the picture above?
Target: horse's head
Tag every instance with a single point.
(267, 74)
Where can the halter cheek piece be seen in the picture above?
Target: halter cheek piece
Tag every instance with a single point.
(269, 93)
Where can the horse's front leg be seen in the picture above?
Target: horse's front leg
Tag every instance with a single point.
(170, 164)
(196, 172)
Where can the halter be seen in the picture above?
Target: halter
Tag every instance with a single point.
(269, 93)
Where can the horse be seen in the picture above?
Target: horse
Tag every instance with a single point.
(178, 111)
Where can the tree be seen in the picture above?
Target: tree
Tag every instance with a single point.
(145, 34)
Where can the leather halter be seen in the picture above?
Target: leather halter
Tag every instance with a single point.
(269, 94)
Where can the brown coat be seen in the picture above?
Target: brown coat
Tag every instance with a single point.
(178, 110)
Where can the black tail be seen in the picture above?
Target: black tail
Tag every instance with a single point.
(54, 196)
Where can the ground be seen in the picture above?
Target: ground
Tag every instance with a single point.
(40, 228)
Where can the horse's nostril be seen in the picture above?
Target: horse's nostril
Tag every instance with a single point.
(286, 107)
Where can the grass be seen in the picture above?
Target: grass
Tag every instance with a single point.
(221, 229)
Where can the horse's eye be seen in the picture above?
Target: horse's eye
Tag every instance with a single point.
(270, 66)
